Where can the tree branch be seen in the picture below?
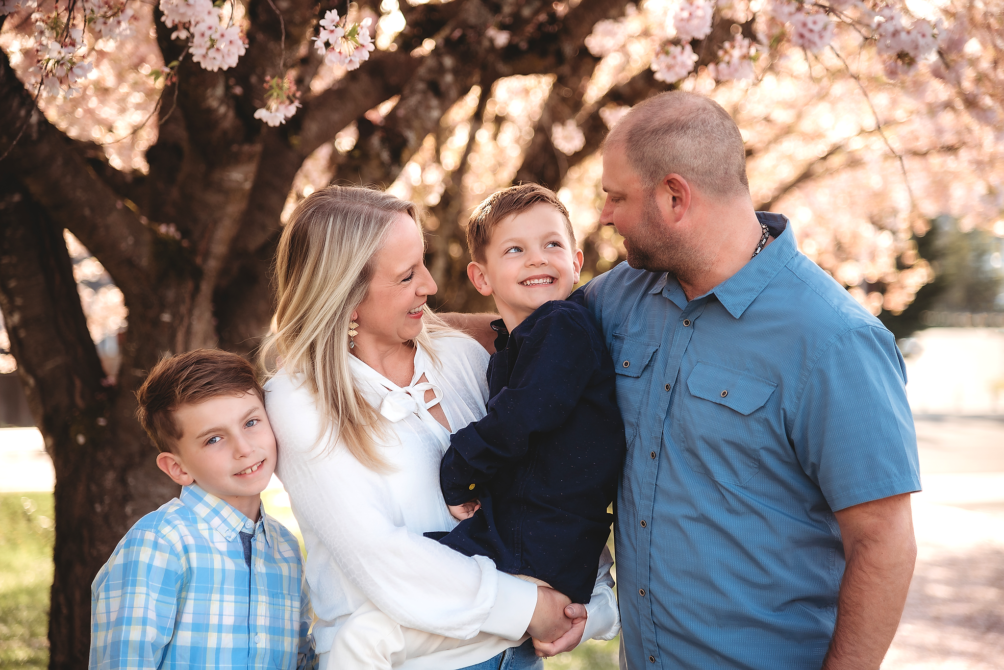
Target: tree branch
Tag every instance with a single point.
(48, 163)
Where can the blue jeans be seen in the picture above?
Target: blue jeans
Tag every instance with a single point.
(522, 657)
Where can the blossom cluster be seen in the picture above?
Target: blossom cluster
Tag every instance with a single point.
(905, 47)
(735, 60)
(281, 101)
(692, 20)
(674, 63)
(342, 43)
(212, 45)
(59, 64)
(567, 137)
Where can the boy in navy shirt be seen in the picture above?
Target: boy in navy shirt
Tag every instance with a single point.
(531, 482)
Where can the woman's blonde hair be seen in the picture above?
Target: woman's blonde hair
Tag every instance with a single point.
(323, 268)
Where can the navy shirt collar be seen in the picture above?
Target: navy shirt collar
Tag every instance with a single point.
(740, 290)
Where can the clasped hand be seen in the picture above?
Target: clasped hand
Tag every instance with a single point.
(557, 623)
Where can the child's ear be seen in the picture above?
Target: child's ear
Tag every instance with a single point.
(576, 266)
(174, 468)
(477, 275)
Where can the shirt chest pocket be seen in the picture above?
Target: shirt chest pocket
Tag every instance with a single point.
(722, 424)
(633, 365)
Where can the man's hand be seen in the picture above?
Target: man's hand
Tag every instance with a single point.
(464, 510)
(881, 551)
(549, 622)
(577, 614)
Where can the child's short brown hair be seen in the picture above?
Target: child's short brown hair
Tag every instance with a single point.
(188, 379)
(505, 203)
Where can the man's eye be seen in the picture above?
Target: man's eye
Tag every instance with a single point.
(252, 423)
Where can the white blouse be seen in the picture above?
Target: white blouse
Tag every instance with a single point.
(363, 529)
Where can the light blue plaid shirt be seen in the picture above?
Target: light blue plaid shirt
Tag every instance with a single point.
(177, 592)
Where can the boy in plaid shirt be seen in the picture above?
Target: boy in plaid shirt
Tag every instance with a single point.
(207, 580)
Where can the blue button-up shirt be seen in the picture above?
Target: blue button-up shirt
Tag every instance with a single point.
(752, 413)
(177, 592)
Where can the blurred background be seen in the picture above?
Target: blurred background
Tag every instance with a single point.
(139, 213)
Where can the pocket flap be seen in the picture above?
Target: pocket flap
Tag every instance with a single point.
(736, 390)
(631, 356)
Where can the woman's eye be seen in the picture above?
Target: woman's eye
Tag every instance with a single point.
(409, 277)
(252, 423)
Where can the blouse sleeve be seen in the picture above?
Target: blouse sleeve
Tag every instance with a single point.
(416, 581)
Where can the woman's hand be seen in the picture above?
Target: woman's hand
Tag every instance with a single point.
(549, 622)
(464, 510)
(570, 640)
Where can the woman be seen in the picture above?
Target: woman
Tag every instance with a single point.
(371, 387)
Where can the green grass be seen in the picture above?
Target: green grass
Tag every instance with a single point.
(27, 533)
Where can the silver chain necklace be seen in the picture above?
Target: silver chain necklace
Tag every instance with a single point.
(763, 240)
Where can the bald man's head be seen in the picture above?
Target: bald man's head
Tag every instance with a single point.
(686, 134)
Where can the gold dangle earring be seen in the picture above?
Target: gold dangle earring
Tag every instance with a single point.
(352, 333)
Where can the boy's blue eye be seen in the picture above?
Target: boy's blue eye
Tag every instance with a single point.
(214, 439)
(252, 423)
(552, 244)
(513, 249)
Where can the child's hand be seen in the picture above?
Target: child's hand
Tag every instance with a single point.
(465, 510)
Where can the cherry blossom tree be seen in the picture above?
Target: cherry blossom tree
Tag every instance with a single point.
(167, 144)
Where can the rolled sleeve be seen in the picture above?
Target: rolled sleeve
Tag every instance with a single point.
(853, 431)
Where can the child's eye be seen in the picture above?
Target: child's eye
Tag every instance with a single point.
(516, 249)
(252, 423)
(214, 439)
(552, 244)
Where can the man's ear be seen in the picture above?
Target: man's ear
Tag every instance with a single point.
(576, 266)
(174, 468)
(479, 278)
(673, 197)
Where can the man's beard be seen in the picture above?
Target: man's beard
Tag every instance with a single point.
(653, 249)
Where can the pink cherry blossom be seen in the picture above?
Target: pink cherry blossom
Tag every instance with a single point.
(674, 63)
(567, 137)
(811, 31)
(734, 60)
(692, 20)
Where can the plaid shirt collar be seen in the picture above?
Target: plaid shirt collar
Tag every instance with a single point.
(221, 516)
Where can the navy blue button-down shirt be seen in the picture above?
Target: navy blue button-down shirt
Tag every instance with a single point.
(752, 413)
(546, 459)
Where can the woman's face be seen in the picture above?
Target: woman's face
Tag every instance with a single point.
(391, 313)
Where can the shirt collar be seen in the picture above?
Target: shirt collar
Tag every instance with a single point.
(740, 290)
(363, 372)
(220, 515)
(501, 334)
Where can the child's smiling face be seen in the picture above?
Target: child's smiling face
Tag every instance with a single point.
(529, 260)
(226, 447)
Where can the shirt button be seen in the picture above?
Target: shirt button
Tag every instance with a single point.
(471, 487)
(652, 659)
(652, 454)
(644, 524)
(641, 592)
(669, 386)
(686, 322)
(725, 394)
(626, 364)
(257, 639)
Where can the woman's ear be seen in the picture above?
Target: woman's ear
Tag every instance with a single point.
(477, 275)
(174, 468)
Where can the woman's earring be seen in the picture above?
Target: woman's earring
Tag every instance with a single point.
(352, 333)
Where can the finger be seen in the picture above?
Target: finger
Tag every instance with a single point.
(576, 611)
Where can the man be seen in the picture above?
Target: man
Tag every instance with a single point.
(763, 518)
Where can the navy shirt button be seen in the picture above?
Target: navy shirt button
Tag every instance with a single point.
(669, 386)
(652, 659)
(686, 322)
(643, 523)
(626, 364)
(652, 454)
(642, 592)
(725, 394)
